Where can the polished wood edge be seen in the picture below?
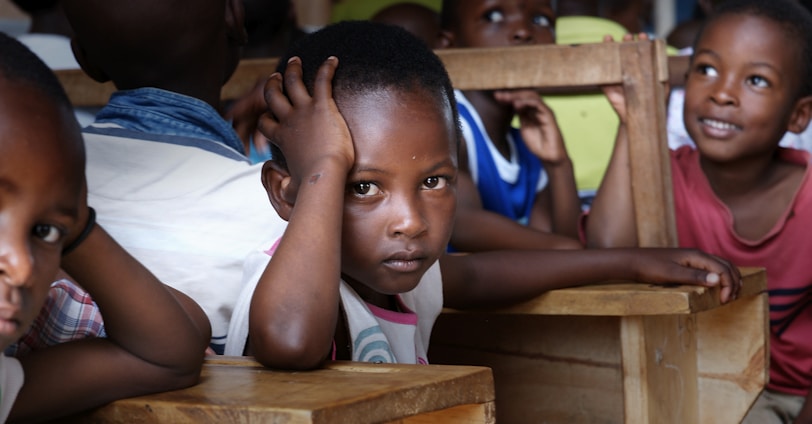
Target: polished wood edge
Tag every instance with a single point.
(628, 299)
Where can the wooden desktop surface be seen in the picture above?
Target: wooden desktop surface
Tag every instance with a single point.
(631, 299)
(240, 390)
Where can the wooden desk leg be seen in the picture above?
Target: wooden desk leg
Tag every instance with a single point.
(659, 369)
(707, 367)
(734, 357)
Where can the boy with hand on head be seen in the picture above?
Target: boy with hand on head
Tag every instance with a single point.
(738, 194)
(165, 171)
(365, 172)
(517, 187)
(154, 341)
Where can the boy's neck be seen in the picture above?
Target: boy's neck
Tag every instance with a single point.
(732, 179)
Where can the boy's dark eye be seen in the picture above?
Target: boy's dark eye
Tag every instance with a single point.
(48, 233)
(706, 70)
(758, 81)
(494, 16)
(365, 188)
(435, 183)
(542, 21)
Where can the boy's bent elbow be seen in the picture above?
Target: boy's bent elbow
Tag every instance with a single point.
(290, 358)
(291, 352)
(183, 372)
(183, 378)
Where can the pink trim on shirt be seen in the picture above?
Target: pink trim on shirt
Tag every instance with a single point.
(406, 318)
(272, 250)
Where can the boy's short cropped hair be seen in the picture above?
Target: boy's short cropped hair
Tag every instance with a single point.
(19, 64)
(372, 56)
(795, 19)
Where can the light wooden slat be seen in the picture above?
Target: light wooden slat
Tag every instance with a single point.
(544, 67)
(240, 390)
(627, 299)
(648, 145)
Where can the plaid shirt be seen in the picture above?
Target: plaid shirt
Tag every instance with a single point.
(68, 314)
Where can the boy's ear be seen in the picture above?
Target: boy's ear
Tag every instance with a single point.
(800, 115)
(445, 39)
(235, 21)
(276, 181)
(86, 63)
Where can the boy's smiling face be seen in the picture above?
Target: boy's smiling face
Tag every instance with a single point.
(401, 193)
(742, 88)
(499, 23)
(40, 188)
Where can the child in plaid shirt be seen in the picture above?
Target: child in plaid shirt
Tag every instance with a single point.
(155, 338)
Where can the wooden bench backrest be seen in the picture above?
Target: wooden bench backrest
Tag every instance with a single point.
(641, 67)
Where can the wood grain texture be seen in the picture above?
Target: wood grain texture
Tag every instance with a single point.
(704, 363)
(627, 299)
(239, 390)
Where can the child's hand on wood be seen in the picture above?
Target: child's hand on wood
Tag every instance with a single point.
(308, 130)
(688, 266)
(539, 128)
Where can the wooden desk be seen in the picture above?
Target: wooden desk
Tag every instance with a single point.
(619, 353)
(239, 390)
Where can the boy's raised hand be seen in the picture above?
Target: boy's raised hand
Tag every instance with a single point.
(307, 129)
(688, 266)
(539, 128)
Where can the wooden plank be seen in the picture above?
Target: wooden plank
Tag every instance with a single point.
(659, 369)
(82, 90)
(556, 369)
(648, 145)
(540, 66)
(311, 14)
(626, 299)
(239, 390)
(734, 358)
(537, 66)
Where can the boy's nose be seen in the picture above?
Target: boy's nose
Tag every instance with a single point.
(407, 220)
(724, 93)
(16, 260)
(522, 34)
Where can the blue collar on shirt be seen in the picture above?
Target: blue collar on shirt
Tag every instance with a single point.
(155, 111)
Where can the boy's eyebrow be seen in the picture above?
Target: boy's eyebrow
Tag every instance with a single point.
(372, 169)
(441, 164)
(369, 169)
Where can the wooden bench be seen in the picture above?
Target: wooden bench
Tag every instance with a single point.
(240, 390)
(610, 353)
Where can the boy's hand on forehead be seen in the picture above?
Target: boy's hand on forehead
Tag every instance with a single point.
(308, 130)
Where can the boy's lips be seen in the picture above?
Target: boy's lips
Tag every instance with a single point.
(717, 128)
(8, 321)
(405, 261)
